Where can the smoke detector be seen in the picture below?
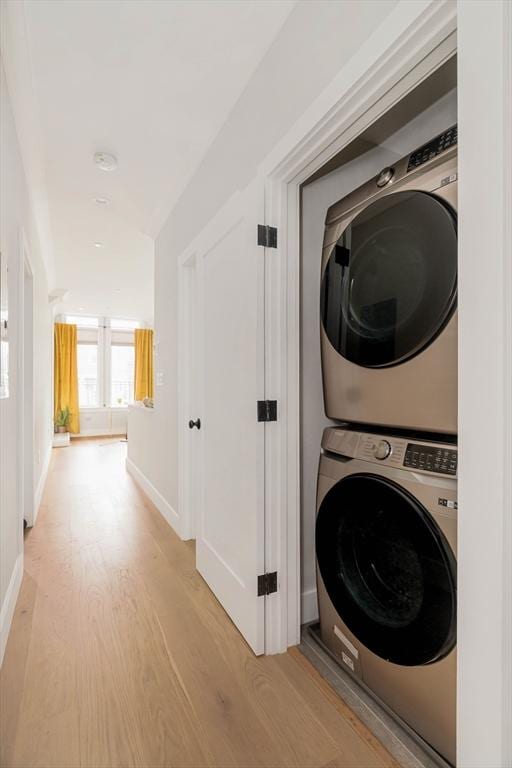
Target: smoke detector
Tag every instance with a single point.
(105, 161)
(101, 200)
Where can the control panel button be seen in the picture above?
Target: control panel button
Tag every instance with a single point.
(382, 450)
(385, 177)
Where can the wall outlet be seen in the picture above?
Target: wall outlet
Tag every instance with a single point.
(159, 378)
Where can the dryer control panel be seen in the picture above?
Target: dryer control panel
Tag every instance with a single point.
(428, 457)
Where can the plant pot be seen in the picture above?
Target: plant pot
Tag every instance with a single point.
(62, 429)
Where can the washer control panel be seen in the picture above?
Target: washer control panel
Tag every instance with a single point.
(441, 460)
(433, 148)
(428, 457)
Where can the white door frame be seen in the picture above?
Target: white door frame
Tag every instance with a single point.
(188, 464)
(26, 393)
(485, 385)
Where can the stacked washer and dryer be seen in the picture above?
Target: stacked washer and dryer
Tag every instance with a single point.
(386, 524)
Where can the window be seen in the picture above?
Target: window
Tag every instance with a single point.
(122, 367)
(106, 360)
(87, 360)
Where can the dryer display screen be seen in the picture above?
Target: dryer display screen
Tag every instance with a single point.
(431, 459)
(433, 148)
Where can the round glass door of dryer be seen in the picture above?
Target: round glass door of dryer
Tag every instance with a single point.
(390, 284)
(388, 570)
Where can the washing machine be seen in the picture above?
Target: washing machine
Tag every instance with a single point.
(389, 295)
(386, 533)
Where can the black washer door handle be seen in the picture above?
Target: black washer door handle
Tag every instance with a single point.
(196, 423)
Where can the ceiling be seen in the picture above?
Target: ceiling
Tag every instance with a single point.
(151, 81)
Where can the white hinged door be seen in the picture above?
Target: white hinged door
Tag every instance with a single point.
(230, 524)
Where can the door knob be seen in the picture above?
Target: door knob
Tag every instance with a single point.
(196, 423)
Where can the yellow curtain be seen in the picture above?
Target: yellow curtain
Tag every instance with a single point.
(65, 386)
(143, 363)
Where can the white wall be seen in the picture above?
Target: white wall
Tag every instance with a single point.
(103, 421)
(15, 218)
(316, 199)
(318, 38)
(147, 460)
(153, 437)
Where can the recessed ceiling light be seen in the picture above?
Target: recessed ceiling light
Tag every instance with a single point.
(98, 245)
(81, 309)
(105, 161)
(101, 200)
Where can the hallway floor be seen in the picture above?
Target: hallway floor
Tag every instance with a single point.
(120, 655)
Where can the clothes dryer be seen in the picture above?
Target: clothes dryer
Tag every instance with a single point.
(389, 296)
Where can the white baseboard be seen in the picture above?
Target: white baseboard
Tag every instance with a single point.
(163, 506)
(309, 606)
(9, 604)
(99, 433)
(41, 483)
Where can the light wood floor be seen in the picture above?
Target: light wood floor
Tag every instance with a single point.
(120, 655)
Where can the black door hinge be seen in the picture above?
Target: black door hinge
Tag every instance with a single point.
(267, 236)
(267, 583)
(267, 410)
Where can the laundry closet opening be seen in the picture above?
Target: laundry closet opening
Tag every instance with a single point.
(379, 369)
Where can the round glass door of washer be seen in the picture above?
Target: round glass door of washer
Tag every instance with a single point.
(388, 570)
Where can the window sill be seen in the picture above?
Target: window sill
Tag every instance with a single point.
(103, 408)
(140, 407)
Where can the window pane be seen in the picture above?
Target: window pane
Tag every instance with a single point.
(123, 325)
(122, 366)
(87, 374)
(82, 322)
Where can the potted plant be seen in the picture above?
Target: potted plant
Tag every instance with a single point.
(62, 419)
